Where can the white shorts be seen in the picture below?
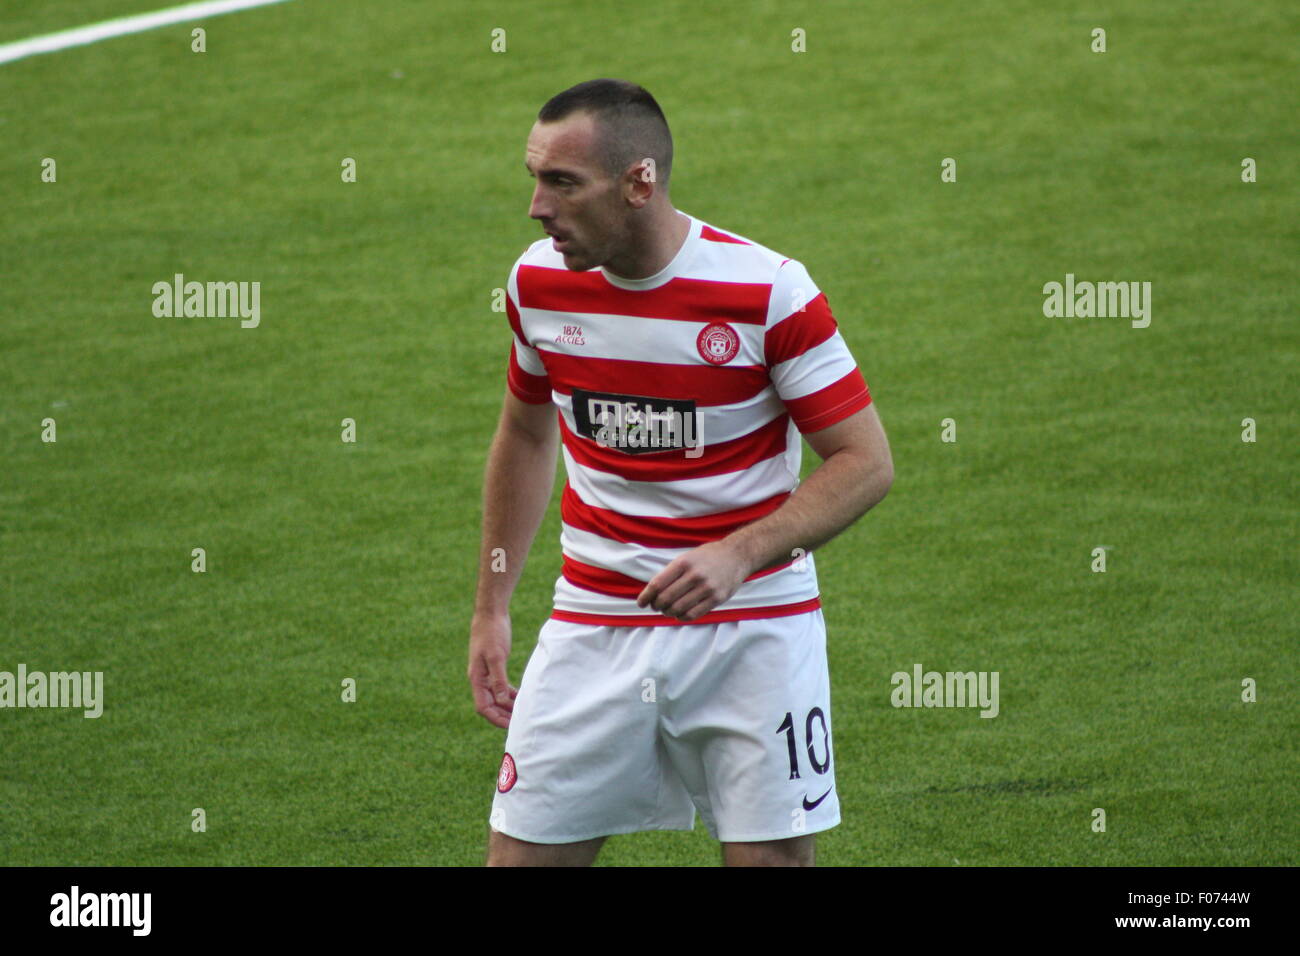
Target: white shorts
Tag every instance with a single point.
(618, 729)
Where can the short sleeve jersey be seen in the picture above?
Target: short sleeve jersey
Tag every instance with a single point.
(681, 398)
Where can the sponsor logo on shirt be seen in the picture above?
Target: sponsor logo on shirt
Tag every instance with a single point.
(638, 424)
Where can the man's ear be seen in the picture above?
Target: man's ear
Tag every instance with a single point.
(640, 182)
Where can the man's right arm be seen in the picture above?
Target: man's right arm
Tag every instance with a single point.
(516, 491)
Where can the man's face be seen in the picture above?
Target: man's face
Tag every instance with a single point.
(575, 200)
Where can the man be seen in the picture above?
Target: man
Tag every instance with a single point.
(684, 665)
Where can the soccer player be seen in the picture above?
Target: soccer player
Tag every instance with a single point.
(684, 665)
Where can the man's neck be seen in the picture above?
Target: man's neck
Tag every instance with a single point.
(657, 247)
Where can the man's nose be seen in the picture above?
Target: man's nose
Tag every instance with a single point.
(539, 208)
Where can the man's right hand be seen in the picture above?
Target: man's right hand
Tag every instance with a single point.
(489, 649)
(517, 485)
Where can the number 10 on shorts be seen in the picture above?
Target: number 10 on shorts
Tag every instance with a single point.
(815, 721)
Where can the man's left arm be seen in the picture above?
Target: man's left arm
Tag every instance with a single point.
(855, 474)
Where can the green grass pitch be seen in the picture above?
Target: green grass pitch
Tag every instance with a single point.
(325, 560)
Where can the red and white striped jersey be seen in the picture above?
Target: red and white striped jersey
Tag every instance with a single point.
(681, 398)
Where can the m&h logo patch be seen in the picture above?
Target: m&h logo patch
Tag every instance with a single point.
(638, 424)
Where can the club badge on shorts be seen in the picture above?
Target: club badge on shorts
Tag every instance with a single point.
(506, 777)
(718, 343)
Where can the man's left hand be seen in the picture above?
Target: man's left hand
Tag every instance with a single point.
(696, 582)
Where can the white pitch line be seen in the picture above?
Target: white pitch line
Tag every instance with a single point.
(95, 32)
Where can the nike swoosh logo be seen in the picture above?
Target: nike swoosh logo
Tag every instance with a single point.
(813, 805)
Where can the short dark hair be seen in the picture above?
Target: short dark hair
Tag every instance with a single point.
(629, 123)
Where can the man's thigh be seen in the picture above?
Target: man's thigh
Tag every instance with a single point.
(507, 851)
(796, 851)
(747, 725)
(583, 755)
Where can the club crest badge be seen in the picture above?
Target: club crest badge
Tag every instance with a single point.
(718, 343)
(506, 777)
